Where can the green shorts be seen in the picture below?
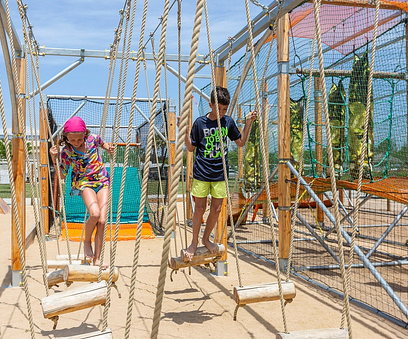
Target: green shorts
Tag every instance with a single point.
(201, 189)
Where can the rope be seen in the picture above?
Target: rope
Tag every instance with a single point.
(27, 36)
(224, 165)
(9, 166)
(363, 152)
(125, 162)
(316, 10)
(179, 158)
(265, 165)
(112, 66)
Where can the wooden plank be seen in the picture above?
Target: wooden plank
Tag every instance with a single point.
(265, 120)
(219, 237)
(176, 263)
(44, 179)
(202, 252)
(18, 163)
(74, 299)
(107, 334)
(319, 140)
(324, 333)
(73, 256)
(87, 273)
(263, 292)
(284, 200)
(4, 208)
(58, 264)
(189, 170)
(55, 277)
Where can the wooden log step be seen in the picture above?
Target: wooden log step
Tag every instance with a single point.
(73, 257)
(74, 299)
(55, 277)
(323, 333)
(176, 263)
(263, 292)
(88, 273)
(107, 334)
(58, 264)
(202, 252)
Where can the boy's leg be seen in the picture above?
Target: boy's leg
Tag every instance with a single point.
(102, 196)
(91, 204)
(199, 209)
(215, 209)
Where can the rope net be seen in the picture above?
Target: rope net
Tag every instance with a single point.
(347, 33)
(60, 109)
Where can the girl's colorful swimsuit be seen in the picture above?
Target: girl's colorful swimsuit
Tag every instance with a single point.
(87, 168)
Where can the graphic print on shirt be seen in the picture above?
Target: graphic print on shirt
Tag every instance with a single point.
(213, 145)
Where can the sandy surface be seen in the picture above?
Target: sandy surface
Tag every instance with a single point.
(199, 305)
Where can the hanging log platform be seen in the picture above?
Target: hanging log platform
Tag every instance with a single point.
(58, 264)
(55, 277)
(263, 292)
(323, 333)
(74, 299)
(87, 273)
(202, 256)
(73, 257)
(203, 253)
(107, 334)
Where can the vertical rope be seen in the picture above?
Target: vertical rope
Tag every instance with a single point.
(316, 11)
(363, 151)
(265, 165)
(177, 167)
(125, 162)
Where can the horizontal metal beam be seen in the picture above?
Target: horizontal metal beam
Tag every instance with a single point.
(240, 40)
(105, 54)
(343, 73)
(83, 97)
(183, 79)
(56, 77)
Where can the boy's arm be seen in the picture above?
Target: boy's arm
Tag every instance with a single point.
(187, 140)
(245, 133)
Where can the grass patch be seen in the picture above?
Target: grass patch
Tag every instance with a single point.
(5, 191)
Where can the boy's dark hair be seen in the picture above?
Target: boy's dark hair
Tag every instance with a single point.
(223, 96)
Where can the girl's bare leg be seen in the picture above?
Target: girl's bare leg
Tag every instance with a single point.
(91, 204)
(102, 196)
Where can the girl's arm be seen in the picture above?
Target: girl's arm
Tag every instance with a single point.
(54, 155)
(108, 147)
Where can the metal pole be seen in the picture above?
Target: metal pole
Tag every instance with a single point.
(358, 251)
(56, 77)
(319, 239)
(183, 79)
(387, 231)
(331, 267)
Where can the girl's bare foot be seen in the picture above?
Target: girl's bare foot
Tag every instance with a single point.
(97, 262)
(88, 253)
(213, 248)
(190, 251)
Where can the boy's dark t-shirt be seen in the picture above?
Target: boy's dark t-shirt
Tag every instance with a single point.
(205, 137)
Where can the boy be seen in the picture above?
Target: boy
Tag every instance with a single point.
(208, 173)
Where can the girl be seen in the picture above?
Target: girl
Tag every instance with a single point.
(89, 177)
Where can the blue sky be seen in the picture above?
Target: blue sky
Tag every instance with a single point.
(90, 24)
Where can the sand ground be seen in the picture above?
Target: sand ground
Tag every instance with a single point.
(199, 305)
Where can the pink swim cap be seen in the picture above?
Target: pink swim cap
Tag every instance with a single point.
(75, 124)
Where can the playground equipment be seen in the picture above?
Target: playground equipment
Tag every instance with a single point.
(357, 143)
